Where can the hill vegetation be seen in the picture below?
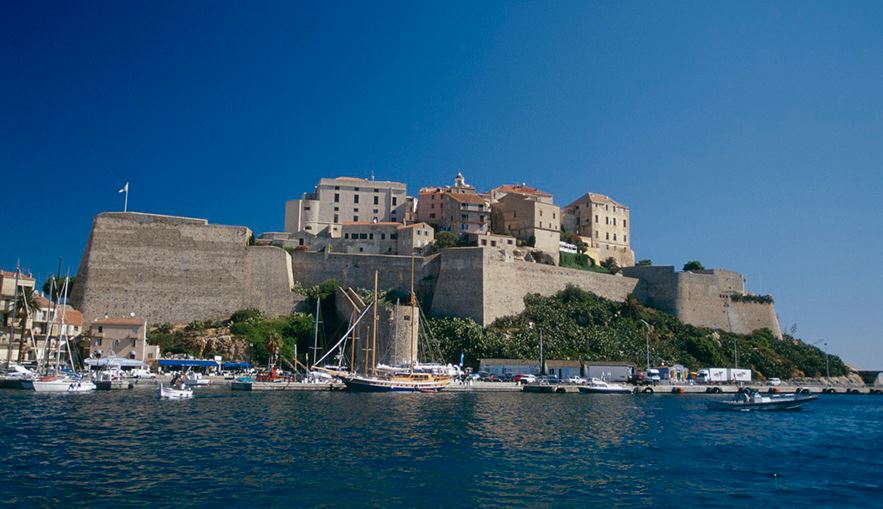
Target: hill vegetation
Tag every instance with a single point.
(579, 325)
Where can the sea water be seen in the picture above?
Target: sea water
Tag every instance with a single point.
(338, 449)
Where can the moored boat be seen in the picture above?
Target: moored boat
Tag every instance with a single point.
(751, 400)
(171, 393)
(58, 383)
(598, 386)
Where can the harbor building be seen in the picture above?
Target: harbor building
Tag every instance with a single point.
(530, 217)
(122, 338)
(510, 366)
(603, 224)
(346, 199)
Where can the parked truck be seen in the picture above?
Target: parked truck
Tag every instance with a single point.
(723, 375)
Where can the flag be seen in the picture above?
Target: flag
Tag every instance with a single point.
(125, 188)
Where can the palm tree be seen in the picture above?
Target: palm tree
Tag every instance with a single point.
(273, 345)
(25, 307)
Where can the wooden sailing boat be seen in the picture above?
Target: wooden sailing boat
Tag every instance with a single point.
(405, 379)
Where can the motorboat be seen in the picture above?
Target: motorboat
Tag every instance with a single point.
(193, 378)
(752, 400)
(58, 383)
(598, 386)
(183, 392)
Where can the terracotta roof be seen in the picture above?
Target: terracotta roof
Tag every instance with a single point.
(520, 189)
(466, 198)
(11, 275)
(601, 198)
(412, 225)
(371, 223)
(122, 320)
(71, 317)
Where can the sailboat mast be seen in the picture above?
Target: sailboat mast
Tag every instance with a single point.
(353, 344)
(12, 324)
(316, 332)
(374, 330)
(412, 354)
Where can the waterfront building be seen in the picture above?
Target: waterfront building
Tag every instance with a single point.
(609, 371)
(563, 369)
(529, 217)
(122, 337)
(510, 366)
(603, 224)
(346, 199)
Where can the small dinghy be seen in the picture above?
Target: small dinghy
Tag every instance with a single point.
(751, 400)
(171, 393)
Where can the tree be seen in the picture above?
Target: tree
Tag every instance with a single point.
(446, 239)
(646, 262)
(59, 284)
(532, 241)
(273, 345)
(611, 265)
(693, 265)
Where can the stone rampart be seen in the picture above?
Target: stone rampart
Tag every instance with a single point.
(175, 269)
(703, 298)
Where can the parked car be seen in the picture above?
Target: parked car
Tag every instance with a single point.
(774, 381)
(506, 378)
(549, 379)
(524, 378)
(576, 380)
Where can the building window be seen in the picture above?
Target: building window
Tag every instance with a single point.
(100, 331)
(596, 218)
(377, 190)
(431, 216)
(483, 242)
(133, 342)
(625, 223)
(308, 227)
(337, 188)
(98, 340)
(336, 218)
(596, 234)
(355, 189)
(614, 237)
(361, 250)
(608, 236)
(393, 236)
(625, 238)
(306, 208)
(337, 209)
(606, 219)
(355, 219)
(356, 197)
(346, 235)
(356, 209)
(376, 198)
(300, 242)
(376, 211)
(382, 236)
(432, 205)
(395, 200)
(336, 197)
(371, 236)
(493, 243)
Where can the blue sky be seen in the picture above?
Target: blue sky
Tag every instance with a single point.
(748, 135)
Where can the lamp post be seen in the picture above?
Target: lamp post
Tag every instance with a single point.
(647, 338)
(827, 366)
(530, 325)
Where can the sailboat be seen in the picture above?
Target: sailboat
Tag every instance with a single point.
(60, 379)
(408, 378)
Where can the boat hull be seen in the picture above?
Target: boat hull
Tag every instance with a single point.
(775, 404)
(58, 385)
(380, 385)
(168, 393)
(605, 390)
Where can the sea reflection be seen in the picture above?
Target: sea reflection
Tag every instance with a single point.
(458, 450)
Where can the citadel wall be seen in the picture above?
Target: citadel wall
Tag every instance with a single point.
(174, 269)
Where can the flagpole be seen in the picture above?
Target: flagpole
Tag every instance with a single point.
(126, 199)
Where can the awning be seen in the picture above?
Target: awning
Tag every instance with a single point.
(113, 361)
(237, 365)
(202, 363)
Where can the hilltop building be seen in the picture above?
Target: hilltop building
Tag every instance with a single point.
(346, 199)
(458, 208)
(384, 238)
(603, 224)
(497, 193)
(528, 215)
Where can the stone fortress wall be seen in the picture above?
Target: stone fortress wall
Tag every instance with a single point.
(179, 269)
(176, 269)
